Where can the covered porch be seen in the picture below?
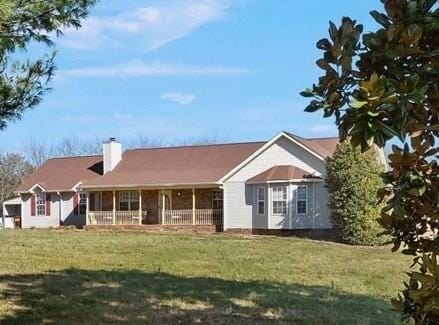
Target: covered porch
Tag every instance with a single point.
(166, 206)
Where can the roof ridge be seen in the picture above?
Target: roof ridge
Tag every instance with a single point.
(315, 138)
(74, 157)
(197, 145)
(322, 138)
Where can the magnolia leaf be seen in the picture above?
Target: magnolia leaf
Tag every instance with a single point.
(307, 93)
(357, 103)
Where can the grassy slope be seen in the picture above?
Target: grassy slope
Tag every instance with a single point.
(77, 276)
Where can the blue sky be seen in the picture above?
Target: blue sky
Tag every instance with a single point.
(179, 69)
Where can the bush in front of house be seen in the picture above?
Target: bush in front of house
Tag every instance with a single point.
(353, 179)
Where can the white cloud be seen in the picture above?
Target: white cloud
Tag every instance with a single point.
(152, 26)
(179, 98)
(121, 116)
(82, 118)
(140, 69)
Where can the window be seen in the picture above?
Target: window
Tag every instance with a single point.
(280, 197)
(41, 204)
(128, 201)
(260, 200)
(302, 200)
(217, 199)
(82, 204)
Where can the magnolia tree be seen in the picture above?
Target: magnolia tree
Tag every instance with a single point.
(382, 85)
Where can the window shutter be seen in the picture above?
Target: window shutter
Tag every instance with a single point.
(48, 200)
(32, 205)
(75, 204)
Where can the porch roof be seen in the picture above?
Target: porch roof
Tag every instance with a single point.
(282, 173)
(204, 164)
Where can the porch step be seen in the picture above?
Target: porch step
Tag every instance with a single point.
(188, 229)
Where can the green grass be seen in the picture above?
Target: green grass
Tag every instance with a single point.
(74, 277)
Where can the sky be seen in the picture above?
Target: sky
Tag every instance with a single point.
(186, 69)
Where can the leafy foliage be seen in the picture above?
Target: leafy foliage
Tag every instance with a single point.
(353, 179)
(385, 84)
(22, 84)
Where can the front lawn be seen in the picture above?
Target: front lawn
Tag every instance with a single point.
(74, 277)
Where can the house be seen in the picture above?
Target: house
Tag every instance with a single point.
(275, 184)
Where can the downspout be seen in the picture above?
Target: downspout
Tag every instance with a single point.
(59, 207)
(3, 216)
(313, 206)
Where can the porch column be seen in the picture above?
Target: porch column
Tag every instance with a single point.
(114, 207)
(140, 207)
(163, 207)
(193, 205)
(87, 208)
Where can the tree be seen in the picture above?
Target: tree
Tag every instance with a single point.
(385, 84)
(13, 169)
(22, 84)
(353, 179)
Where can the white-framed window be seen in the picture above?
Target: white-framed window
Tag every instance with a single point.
(260, 200)
(217, 199)
(41, 204)
(128, 201)
(302, 199)
(279, 200)
(82, 204)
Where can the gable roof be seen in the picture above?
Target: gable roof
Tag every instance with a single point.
(204, 164)
(62, 174)
(201, 164)
(325, 147)
(318, 147)
(282, 173)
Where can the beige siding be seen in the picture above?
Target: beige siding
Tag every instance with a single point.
(282, 152)
(28, 221)
(240, 198)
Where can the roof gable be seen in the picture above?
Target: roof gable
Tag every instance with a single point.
(63, 174)
(312, 146)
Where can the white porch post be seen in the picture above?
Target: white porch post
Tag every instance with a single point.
(140, 207)
(87, 208)
(163, 207)
(193, 205)
(114, 207)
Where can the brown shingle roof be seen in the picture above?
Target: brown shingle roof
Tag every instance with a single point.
(281, 173)
(159, 166)
(176, 165)
(63, 173)
(325, 147)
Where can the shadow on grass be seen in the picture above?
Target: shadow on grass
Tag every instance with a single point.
(76, 296)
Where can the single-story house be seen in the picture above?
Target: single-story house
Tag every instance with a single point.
(275, 184)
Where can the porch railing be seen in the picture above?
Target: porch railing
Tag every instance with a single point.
(120, 217)
(171, 217)
(186, 217)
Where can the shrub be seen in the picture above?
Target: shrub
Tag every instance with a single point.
(353, 179)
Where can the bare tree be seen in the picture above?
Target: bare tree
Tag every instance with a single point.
(143, 141)
(36, 152)
(13, 169)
